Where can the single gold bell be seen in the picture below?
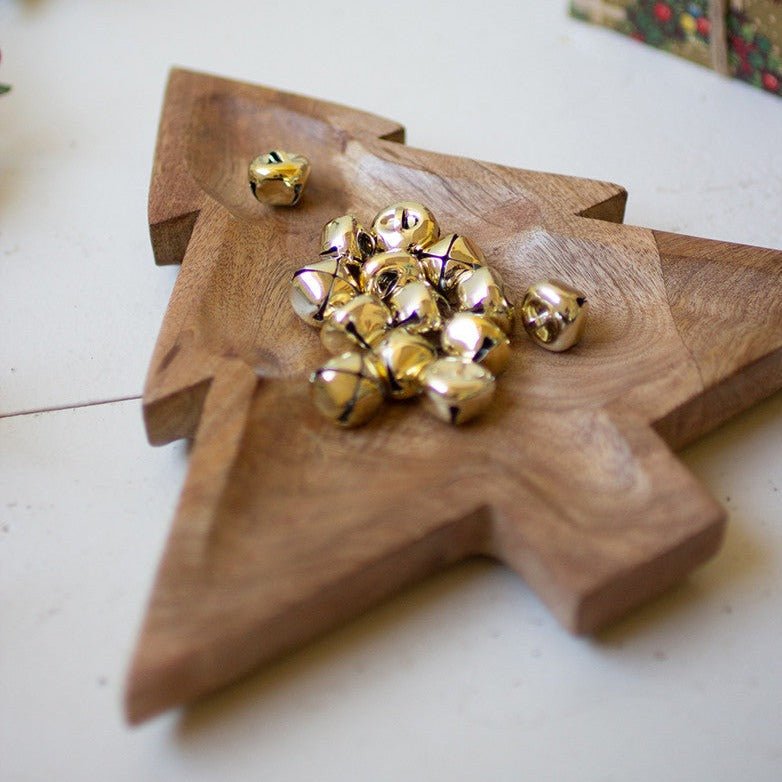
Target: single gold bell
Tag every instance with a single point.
(481, 291)
(403, 356)
(457, 389)
(347, 389)
(476, 338)
(385, 273)
(448, 259)
(278, 178)
(318, 289)
(406, 225)
(416, 307)
(554, 315)
(361, 323)
(347, 240)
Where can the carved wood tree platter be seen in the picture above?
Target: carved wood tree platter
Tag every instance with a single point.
(288, 526)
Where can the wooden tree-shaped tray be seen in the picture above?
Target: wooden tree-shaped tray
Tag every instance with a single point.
(288, 526)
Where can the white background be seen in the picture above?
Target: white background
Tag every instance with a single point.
(467, 676)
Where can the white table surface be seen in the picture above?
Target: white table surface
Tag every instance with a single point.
(467, 676)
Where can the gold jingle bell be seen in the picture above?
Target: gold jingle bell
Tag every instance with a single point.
(361, 323)
(476, 338)
(554, 314)
(416, 307)
(457, 389)
(347, 240)
(481, 291)
(347, 389)
(385, 273)
(318, 289)
(403, 356)
(406, 225)
(445, 261)
(278, 178)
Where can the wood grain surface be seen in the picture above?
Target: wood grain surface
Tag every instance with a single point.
(288, 526)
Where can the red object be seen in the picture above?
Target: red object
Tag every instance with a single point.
(704, 25)
(663, 12)
(770, 82)
(739, 46)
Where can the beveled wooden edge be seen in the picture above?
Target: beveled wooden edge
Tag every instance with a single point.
(739, 358)
(721, 402)
(612, 210)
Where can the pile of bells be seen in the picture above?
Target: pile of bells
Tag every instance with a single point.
(405, 311)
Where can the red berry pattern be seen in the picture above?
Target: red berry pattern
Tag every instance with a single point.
(752, 55)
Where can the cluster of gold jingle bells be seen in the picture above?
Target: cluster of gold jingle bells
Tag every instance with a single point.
(405, 310)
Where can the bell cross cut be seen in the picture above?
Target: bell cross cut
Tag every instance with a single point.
(288, 526)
